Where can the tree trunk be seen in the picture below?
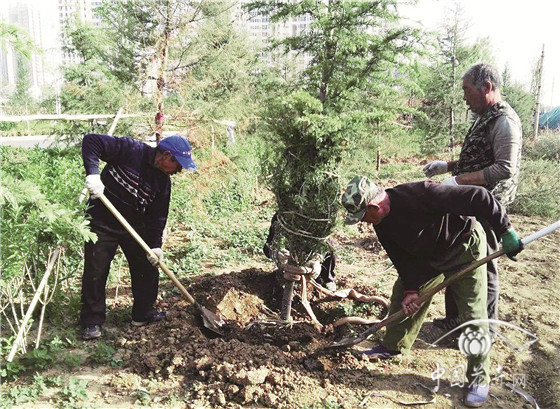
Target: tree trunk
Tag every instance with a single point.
(538, 96)
(160, 118)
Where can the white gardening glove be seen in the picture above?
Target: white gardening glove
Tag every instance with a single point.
(158, 256)
(451, 181)
(94, 185)
(314, 268)
(436, 167)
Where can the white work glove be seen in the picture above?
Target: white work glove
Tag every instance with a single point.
(158, 256)
(94, 185)
(314, 268)
(451, 181)
(436, 167)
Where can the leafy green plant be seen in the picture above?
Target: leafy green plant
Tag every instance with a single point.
(103, 354)
(73, 395)
(72, 361)
(246, 239)
(19, 394)
(40, 358)
(37, 188)
(143, 396)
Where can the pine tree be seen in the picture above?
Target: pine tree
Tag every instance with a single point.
(351, 80)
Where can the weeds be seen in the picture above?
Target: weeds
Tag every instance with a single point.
(72, 361)
(73, 395)
(325, 404)
(538, 192)
(20, 394)
(103, 354)
(546, 147)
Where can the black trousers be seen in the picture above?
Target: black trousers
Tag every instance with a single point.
(493, 245)
(98, 258)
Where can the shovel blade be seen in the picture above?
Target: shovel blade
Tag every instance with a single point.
(210, 320)
(345, 342)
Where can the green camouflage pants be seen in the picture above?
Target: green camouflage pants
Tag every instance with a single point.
(469, 292)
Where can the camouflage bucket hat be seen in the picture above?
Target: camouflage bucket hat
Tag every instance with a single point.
(358, 192)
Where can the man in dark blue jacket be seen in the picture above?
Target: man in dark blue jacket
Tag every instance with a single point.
(136, 181)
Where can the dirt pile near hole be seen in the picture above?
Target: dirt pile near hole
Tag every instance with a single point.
(260, 362)
(257, 361)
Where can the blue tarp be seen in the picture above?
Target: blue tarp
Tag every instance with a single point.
(550, 119)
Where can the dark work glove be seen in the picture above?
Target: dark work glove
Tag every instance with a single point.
(511, 243)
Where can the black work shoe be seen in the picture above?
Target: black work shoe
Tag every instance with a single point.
(153, 316)
(444, 323)
(381, 352)
(91, 332)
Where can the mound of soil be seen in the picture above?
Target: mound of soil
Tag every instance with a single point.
(258, 360)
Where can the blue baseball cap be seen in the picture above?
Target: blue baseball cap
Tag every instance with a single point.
(180, 148)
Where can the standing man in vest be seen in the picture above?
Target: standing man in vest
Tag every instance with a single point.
(490, 157)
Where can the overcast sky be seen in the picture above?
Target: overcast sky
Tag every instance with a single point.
(517, 32)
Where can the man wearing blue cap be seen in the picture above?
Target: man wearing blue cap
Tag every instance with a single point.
(136, 181)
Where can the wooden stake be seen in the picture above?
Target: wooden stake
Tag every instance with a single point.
(42, 284)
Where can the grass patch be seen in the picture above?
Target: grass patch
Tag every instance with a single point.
(538, 192)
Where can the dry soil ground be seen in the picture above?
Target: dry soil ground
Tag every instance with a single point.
(259, 363)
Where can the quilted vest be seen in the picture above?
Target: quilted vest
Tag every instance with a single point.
(477, 153)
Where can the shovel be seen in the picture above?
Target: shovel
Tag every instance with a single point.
(347, 342)
(211, 321)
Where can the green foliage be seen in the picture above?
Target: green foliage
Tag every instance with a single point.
(37, 215)
(304, 171)
(21, 394)
(538, 189)
(17, 37)
(347, 88)
(231, 197)
(103, 354)
(12, 370)
(73, 394)
(37, 359)
(187, 256)
(143, 396)
(347, 61)
(220, 84)
(440, 82)
(522, 101)
(245, 239)
(546, 146)
(91, 86)
(72, 361)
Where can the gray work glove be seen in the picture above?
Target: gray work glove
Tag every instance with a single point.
(94, 185)
(158, 253)
(436, 167)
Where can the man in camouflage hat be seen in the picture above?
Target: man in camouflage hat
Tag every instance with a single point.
(429, 232)
(490, 157)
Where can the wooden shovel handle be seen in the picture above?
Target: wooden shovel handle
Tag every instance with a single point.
(146, 248)
(428, 294)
